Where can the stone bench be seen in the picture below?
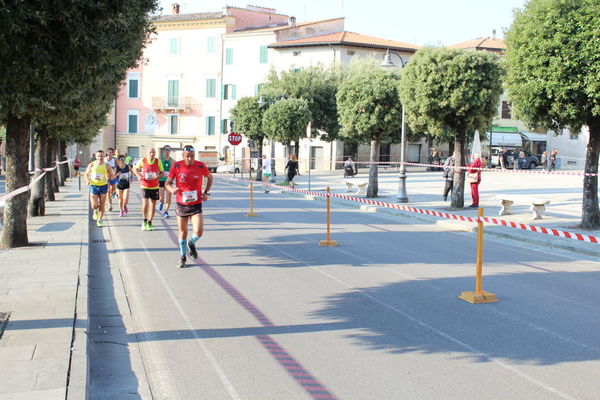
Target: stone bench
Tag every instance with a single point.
(538, 205)
(361, 186)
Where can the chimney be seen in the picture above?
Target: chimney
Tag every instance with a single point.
(292, 22)
(175, 8)
(493, 34)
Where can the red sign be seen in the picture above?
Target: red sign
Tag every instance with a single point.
(234, 138)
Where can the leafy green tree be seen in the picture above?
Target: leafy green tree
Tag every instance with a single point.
(286, 120)
(315, 84)
(554, 77)
(50, 52)
(247, 116)
(451, 91)
(369, 110)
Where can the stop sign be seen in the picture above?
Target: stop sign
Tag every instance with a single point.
(234, 138)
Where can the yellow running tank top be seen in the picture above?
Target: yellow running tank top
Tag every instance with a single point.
(99, 175)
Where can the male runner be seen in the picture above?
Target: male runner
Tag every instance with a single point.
(164, 196)
(97, 176)
(148, 170)
(188, 175)
(112, 184)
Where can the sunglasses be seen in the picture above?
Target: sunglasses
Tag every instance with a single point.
(188, 148)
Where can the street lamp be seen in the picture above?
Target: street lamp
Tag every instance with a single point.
(262, 102)
(401, 196)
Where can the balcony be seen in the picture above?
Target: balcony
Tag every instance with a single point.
(172, 104)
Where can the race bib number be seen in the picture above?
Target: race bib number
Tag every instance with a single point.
(150, 175)
(124, 176)
(190, 197)
(99, 177)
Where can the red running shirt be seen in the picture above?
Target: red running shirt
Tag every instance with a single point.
(188, 178)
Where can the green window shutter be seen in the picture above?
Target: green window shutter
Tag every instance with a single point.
(212, 44)
(233, 90)
(174, 46)
(297, 70)
(210, 126)
(173, 93)
(256, 89)
(132, 122)
(211, 85)
(133, 88)
(229, 56)
(264, 55)
(223, 126)
(223, 91)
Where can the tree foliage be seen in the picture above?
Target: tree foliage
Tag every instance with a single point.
(451, 92)
(369, 110)
(315, 84)
(554, 77)
(285, 121)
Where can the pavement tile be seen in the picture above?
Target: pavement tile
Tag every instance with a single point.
(53, 394)
(17, 353)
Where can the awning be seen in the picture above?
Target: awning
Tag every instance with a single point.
(535, 137)
(506, 139)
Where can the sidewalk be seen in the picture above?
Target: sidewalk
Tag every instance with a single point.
(44, 288)
(425, 192)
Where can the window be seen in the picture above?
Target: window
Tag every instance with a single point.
(228, 92)
(224, 126)
(173, 93)
(133, 90)
(296, 53)
(173, 124)
(297, 70)
(506, 111)
(574, 136)
(257, 89)
(211, 88)
(133, 151)
(264, 55)
(210, 126)
(229, 56)
(133, 117)
(351, 52)
(174, 46)
(211, 46)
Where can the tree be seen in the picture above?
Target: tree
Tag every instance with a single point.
(286, 120)
(451, 91)
(369, 110)
(248, 116)
(315, 84)
(51, 52)
(554, 77)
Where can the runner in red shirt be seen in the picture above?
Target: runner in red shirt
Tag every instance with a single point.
(189, 176)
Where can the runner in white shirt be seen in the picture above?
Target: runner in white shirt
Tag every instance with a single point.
(266, 168)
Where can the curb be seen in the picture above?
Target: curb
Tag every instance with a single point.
(77, 379)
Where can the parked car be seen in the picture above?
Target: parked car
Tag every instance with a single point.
(228, 168)
(531, 161)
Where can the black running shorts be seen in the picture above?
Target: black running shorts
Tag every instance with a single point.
(151, 194)
(185, 210)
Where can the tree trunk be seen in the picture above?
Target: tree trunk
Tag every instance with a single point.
(37, 203)
(429, 147)
(55, 171)
(458, 189)
(65, 166)
(259, 162)
(49, 178)
(14, 233)
(373, 187)
(590, 215)
(60, 170)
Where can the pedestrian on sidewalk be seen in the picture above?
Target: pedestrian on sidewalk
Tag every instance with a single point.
(148, 170)
(474, 178)
(266, 175)
(292, 169)
(552, 159)
(448, 176)
(189, 175)
(544, 160)
(164, 196)
(123, 183)
(97, 175)
(76, 165)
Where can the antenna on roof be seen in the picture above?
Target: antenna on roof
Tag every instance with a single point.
(493, 34)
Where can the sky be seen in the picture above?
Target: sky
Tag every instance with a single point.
(419, 22)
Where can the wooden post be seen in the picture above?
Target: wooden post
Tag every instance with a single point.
(251, 213)
(328, 242)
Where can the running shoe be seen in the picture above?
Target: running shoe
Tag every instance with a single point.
(166, 214)
(149, 226)
(144, 226)
(100, 223)
(181, 262)
(160, 206)
(193, 252)
(110, 207)
(95, 216)
(125, 209)
(121, 214)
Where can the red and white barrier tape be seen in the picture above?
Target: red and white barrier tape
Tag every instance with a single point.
(395, 206)
(6, 196)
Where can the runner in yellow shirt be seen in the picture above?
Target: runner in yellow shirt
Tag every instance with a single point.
(148, 170)
(97, 176)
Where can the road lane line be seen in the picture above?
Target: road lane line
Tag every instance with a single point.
(211, 358)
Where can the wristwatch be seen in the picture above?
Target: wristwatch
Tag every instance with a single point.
(207, 192)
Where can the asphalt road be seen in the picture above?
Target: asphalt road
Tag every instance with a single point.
(265, 313)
